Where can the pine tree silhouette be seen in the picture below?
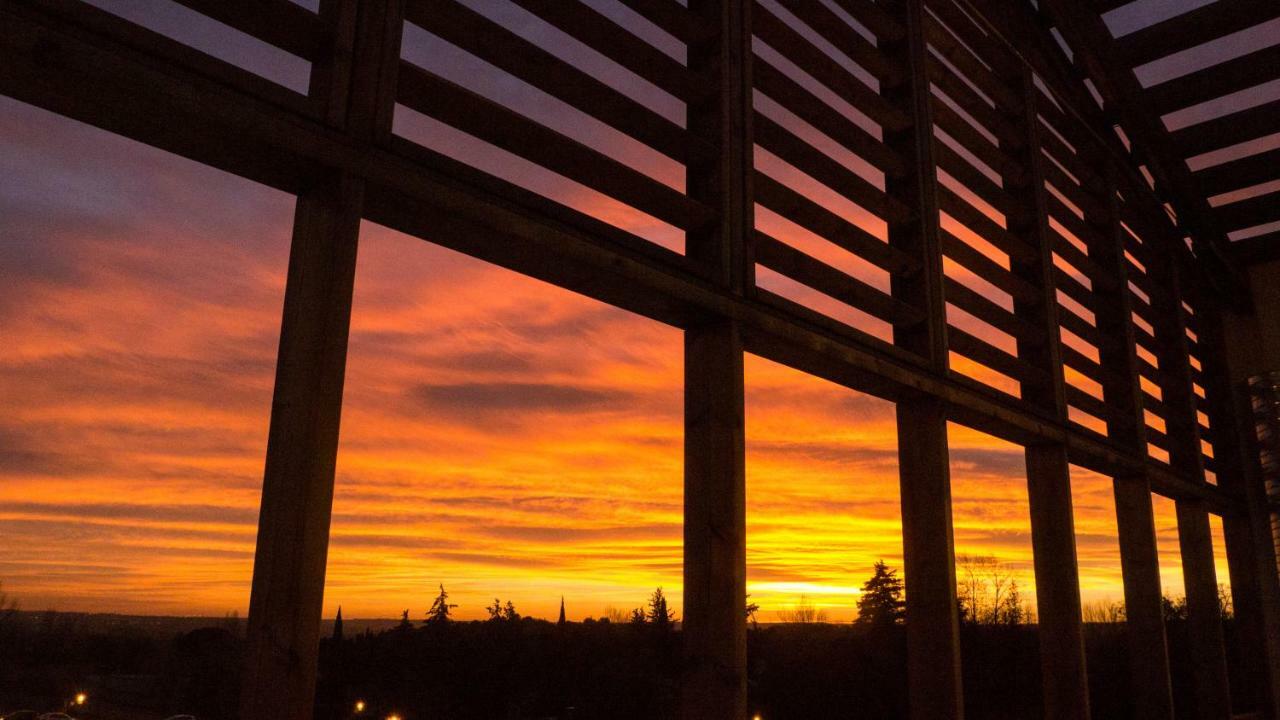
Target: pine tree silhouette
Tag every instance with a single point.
(561, 621)
(440, 607)
(337, 626)
(881, 600)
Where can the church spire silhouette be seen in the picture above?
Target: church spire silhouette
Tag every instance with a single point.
(561, 620)
(337, 625)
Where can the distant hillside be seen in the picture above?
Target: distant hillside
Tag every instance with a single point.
(166, 625)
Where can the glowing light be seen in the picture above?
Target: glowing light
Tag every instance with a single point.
(81, 698)
(393, 716)
(359, 706)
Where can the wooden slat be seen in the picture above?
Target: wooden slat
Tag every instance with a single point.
(960, 57)
(841, 34)
(979, 306)
(873, 17)
(278, 22)
(502, 48)
(815, 218)
(496, 124)
(972, 103)
(1074, 289)
(975, 142)
(825, 169)
(808, 107)
(1254, 211)
(1221, 132)
(983, 352)
(672, 17)
(984, 267)
(969, 216)
(816, 274)
(975, 180)
(601, 34)
(825, 69)
(1193, 28)
(1214, 81)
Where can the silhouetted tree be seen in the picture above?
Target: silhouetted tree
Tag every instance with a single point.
(1173, 608)
(881, 600)
(804, 612)
(988, 592)
(751, 610)
(659, 616)
(8, 606)
(495, 610)
(404, 625)
(337, 626)
(561, 621)
(1226, 606)
(638, 616)
(440, 607)
(509, 612)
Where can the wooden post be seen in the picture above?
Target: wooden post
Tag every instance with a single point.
(933, 626)
(297, 489)
(714, 679)
(283, 635)
(1150, 681)
(714, 684)
(1204, 621)
(1144, 615)
(1066, 689)
(1062, 658)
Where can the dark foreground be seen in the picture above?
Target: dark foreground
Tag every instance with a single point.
(531, 669)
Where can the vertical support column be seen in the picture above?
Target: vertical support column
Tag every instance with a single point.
(1144, 616)
(933, 628)
(297, 490)
(1066, 688)
(714, 685)
(1255, 586)
(933, 625)
(1062, 658)
(714, 680)
(283, 634)
(1204, 618)
(1150, 682)
(1204, 622)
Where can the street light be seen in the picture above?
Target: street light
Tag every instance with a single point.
(393, 716)
(81, 698)
(359, 706)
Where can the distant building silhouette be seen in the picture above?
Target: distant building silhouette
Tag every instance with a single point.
(337, 626)
(561, 621)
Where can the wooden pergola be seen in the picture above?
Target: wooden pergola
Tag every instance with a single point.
(1125, 317)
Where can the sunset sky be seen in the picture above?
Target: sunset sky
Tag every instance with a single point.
(500, 436)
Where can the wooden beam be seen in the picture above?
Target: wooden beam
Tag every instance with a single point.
(1206, 651)
(933, 624)
(1149, 679)
(714, 676)
(297, 489)
(714, 679)
(1053, 541)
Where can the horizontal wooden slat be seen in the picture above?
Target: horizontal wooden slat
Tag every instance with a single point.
(880, 22)
(822, 167)
(976, 181)
(1074, 289)
(672, 17)
(606, 37)
(808, 107)
(502, 48)
(457, 106)
(815, 218)
(1090, 404)
(278, 22)
(984, 267)
(950, 122)
(1232, 129)
(981, 351)
(979, 306)
(969, 216)
(1193, 28)
(841, 34)
(1248, 213)
(960, 57)
(813, 60)
(1214, 81)
(972, 103)
(816, 274)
